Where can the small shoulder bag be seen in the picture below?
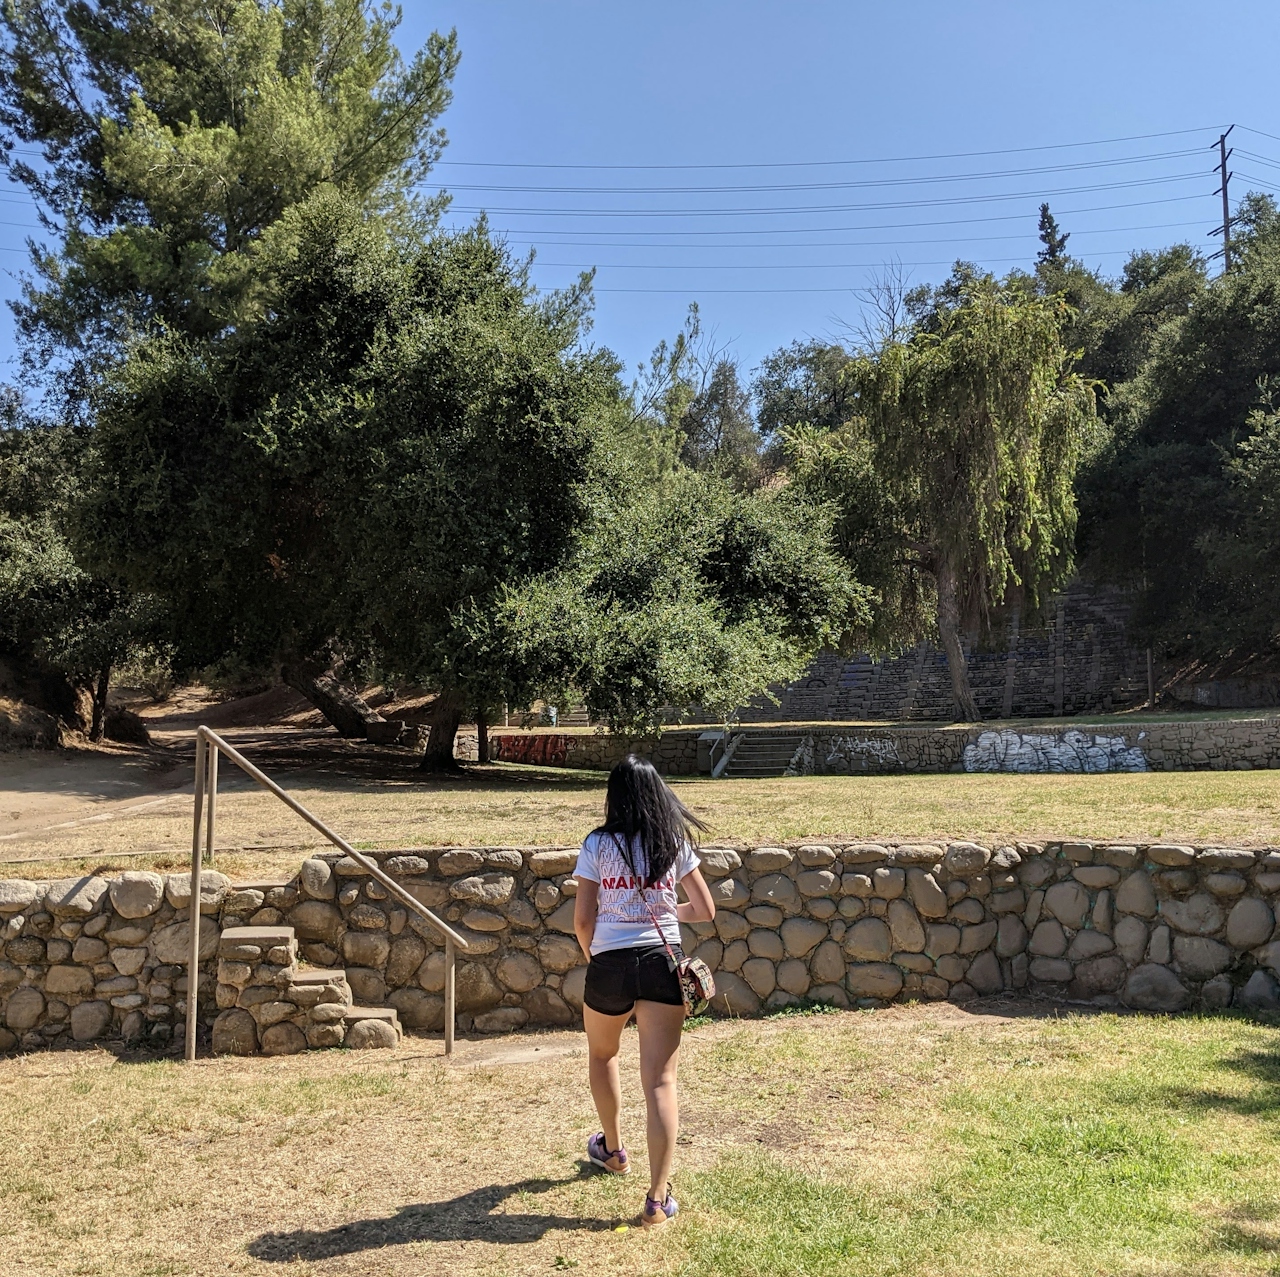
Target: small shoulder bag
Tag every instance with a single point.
(697, 984)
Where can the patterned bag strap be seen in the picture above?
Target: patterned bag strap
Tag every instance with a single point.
(666, 944)
(662, 935)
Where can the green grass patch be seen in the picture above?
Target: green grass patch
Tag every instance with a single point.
(805, 1006)
(1104, 1145)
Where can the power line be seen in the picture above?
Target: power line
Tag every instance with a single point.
(888, 159)
(572, 238)
(829, 208)
(830, 186)
(880, 226)
(752, 266)
(838, 243)
(1253, 155)
(1259, 132)
(1266, 183)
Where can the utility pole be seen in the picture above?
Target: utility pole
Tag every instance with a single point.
(1223, 156)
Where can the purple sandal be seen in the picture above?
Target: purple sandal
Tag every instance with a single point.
(598, 1154)
(656, 1212)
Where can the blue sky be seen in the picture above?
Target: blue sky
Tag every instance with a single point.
(748, 82)
(828, 101)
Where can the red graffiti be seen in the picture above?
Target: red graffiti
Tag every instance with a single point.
(544, 749)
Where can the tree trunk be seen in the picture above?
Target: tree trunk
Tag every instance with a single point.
(344, 709)
(482, 736)
(445, 717)
(99, 725)
(949, 629)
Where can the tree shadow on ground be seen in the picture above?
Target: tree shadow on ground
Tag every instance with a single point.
(1262, 1066)
(465, 1218)
(1015, 1005)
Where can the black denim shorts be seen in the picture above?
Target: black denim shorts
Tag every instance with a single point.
(619, 978)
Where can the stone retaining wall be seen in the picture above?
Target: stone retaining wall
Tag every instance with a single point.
(1156, 928)
(1209, 744)
(674, 753)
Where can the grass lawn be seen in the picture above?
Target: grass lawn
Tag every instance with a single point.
(917, 1140)
(507, 805)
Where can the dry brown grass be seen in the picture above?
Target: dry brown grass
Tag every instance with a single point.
(519, 806)
(343, 1163)
(322, 1161)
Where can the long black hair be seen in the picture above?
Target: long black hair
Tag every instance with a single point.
(640, 804)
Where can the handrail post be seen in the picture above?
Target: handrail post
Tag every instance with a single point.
(193, 963)
(208, 745)
(213, 804)
(450, 959)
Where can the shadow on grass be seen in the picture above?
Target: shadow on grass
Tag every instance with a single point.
(1260, 1065)
(1026, 1006)
(466, 1218)
(1235, 1240)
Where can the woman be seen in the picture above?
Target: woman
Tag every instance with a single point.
(627, 874)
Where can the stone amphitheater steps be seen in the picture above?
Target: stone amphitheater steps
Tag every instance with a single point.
(761, 755)
(270, 1004)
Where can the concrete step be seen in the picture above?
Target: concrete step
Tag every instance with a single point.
(275, 945)
(318, 978)
(263, 937)
(261, 884)
(762, 756)
(317, 975)
(384, 1015)
(389, 1014)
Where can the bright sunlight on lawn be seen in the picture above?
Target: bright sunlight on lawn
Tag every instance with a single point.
(917, 1140)
(524, 806)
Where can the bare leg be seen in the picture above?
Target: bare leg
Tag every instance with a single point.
(660, 1026)
(604, 1035)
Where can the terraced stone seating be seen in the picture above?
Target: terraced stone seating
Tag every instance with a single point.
(268, 1003)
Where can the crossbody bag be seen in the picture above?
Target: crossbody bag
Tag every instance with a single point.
(697, 984)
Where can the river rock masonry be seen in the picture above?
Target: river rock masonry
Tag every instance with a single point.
(329, 958)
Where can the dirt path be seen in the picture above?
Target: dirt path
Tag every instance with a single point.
(62, 796)
(43, 789)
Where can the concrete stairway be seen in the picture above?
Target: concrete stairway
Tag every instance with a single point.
(268, 1003)
(761, 754)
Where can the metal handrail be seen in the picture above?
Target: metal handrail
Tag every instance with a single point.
(207, 770)
(731, 741)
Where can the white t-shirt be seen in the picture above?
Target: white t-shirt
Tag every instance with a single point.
(622, 921)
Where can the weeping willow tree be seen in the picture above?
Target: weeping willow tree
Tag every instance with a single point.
(976, 425)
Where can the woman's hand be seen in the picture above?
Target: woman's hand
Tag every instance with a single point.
(700, 908)
(584, 913)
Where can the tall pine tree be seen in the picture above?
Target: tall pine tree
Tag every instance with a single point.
(1054, 252)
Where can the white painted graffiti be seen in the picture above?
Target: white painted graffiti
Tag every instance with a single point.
(847, 751)
(1010, 751)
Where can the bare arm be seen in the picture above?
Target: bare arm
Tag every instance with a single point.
(700, 907)
(584, 913)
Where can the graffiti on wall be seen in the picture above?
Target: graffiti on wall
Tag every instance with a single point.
(1010, 751)
(543, 749)
(855, 753)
